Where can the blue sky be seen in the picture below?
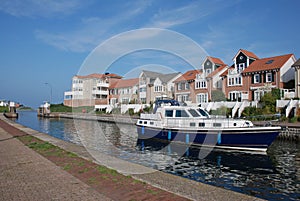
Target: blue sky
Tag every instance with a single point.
(48, 41)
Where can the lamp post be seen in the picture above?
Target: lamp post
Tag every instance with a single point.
(50, 91)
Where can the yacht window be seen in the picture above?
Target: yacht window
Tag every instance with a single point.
(169, 113)
(192, 124)
(217, 124)
(145, 122)
(151, 122)
(181, 113)
(203, 113)
(201, 124)
(140, 122)
(194, 113)
(234, 124)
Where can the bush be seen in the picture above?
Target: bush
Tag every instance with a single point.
(4, 109)
(293, 120)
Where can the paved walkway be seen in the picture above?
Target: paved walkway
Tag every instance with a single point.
(26, 175)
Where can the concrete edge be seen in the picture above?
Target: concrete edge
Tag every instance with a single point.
(174, 184)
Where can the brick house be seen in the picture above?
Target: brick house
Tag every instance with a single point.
(196, 85)
(250, 77)
(185, 86)
(235, 86)
(267, 73)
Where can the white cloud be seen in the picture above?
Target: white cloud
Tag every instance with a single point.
(91, 30)
(40, 8)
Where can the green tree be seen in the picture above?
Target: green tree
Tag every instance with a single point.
(268, 101)
(217, 95)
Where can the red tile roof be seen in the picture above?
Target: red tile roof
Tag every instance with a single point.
(268, 63)
(118, 83)
(249, 54)
(99, 76)
(217, 70)
(216, 60)
(189, 75)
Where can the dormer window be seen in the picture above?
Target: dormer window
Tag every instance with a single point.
(208, 71)
(240, 67)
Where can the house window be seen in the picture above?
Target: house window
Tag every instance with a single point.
(234, 96)
(241, 67)
(230, 81)
(238, 80)
(269, 77)
(179, 86)
(157, 88)
(208, 71)
(203, 85)
(187, 86)
(202, 98)
(256, 78)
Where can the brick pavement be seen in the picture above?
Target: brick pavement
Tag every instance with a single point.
(26, 175)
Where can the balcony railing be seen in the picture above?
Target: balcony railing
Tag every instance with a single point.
(100, 92)
(102, 84)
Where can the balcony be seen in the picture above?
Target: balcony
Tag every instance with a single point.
(100, 92)
(103, 84)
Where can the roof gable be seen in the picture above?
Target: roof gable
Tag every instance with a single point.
(247, 53)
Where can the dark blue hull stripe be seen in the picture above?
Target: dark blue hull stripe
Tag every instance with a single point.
(260, 139)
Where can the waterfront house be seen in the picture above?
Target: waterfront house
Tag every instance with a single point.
(90, 90)
(266, 74)
(154, 85)
(210, 79)
(296, 66)
(235, 87)
(124, 91)
(196, 86)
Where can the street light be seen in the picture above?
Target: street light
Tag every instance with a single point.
(50, 91)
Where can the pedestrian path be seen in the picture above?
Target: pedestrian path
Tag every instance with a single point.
(26, 175)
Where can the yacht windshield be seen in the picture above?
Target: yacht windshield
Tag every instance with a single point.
(203, 113)
(194, 113)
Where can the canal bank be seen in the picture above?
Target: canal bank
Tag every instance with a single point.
(176, 185)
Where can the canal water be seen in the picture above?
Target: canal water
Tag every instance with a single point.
(275, 176)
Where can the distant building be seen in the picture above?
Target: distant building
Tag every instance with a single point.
(90, 90)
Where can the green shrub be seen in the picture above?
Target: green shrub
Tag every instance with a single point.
(293, 120)
(4, 109)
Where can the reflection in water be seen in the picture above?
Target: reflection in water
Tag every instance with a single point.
(274, 176)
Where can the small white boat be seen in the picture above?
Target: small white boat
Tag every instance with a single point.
(193, 125)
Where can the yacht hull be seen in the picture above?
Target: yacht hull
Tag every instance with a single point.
(251, 139)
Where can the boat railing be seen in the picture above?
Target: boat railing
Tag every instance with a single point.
(196, 122)
(151, 116)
